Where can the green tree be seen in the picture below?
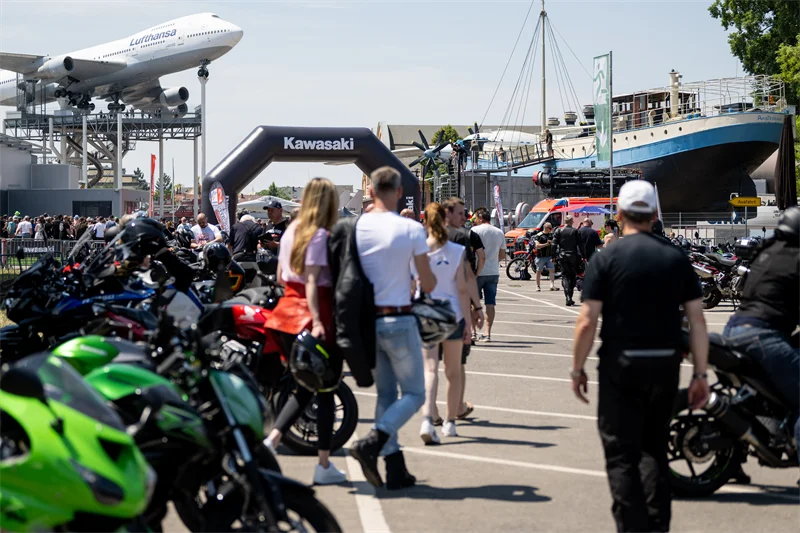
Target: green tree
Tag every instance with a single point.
(789, 64)
(139, 180)
(761, 28)
(447, 133)
(166, 182)
(274, 190)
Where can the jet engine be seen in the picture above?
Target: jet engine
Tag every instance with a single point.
(55, 68)
(173, 96)
(180, 111)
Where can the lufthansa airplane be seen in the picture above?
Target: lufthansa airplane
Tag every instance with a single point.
(124, 71)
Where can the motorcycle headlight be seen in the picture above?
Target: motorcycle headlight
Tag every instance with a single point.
(104, 490)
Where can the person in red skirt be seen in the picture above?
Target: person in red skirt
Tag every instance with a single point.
(307, 304)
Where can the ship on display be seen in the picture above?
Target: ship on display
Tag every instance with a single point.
(699, 142)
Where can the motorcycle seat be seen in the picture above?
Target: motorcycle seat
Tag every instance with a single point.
(726, 262)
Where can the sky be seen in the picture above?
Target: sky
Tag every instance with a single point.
(356, 63)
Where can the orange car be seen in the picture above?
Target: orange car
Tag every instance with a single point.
(553, 211)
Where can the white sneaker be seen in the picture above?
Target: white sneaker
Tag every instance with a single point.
(428, 433)
(268, 443)
(449, 429)
(328, 476)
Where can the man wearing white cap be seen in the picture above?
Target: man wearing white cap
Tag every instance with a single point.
(639, 285)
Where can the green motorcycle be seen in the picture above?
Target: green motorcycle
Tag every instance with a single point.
(66, 459)
(205, 440)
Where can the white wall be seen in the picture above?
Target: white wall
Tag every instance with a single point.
(15, 168)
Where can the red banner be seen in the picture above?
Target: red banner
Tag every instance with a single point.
(152, 182)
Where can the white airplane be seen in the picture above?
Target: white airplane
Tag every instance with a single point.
(124, 71)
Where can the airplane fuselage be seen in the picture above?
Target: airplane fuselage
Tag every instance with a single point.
(167, 48)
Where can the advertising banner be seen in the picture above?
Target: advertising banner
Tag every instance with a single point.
(498, 204)
(601, 90)
(219, 203)
(152, 183)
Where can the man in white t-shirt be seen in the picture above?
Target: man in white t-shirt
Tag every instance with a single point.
(387, 244)
(25, 228)
(205, 233)
(494, 246)
(99, 228)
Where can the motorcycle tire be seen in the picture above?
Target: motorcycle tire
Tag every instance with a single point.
(685, 431)
(309, 511)
(517, 269)
(713, 299)
(302, 436)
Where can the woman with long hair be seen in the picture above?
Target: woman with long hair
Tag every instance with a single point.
(449, 266)
(307, 304)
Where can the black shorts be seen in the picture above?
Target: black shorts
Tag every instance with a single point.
(464, 352)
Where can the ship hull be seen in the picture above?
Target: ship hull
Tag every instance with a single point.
(697, 164)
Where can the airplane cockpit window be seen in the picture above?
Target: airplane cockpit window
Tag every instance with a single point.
(214, 17)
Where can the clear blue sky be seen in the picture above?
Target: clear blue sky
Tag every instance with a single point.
(355, 63)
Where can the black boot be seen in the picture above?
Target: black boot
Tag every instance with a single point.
(397, 476)
(366, 452)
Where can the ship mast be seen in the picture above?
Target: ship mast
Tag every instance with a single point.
(543, 15)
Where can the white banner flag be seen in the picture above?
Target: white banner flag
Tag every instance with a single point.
(498, 205)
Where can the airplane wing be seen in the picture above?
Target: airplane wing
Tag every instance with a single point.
(21, 63)
(131, 94)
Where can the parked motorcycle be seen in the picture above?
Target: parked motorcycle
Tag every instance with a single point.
(745, 415)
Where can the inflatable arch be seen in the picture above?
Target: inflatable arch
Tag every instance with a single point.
(266, 144)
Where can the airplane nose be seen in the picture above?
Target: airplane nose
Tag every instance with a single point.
(236, 34)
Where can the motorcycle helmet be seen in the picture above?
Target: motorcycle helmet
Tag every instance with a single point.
(746, 248)
(111, 233)
(789, 225)
(436, 319)
(310, 364)
(217, 257)
(184, 236)
(141, 237)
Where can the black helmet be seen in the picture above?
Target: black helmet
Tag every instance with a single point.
(142, 237)
(184, 236)
(111, 233)
(436, 319)
(746, 247)
(789, 225)
(217, 257)
(310, 364)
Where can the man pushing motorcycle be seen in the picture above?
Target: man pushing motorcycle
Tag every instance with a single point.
(769, 314)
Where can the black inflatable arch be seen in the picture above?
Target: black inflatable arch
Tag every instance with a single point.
(273, 143)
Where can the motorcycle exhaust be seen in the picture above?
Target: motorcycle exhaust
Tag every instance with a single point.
(720, 408)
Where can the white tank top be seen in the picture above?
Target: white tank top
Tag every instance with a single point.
(445, 263)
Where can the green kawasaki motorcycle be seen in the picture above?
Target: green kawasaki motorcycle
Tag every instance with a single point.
(205, 438)
(66, 459)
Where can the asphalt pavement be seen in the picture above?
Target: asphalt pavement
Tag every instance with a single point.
(529, 457)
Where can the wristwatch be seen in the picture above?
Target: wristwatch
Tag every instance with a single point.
(699, 375)
(576, 374)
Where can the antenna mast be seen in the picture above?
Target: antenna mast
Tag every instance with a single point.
(544, 86)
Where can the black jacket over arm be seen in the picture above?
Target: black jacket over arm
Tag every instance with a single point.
(353, 302)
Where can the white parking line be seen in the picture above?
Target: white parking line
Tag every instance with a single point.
(369, 507)
(570, 470)
(534, 337)
(506, 409)
(561, 307)
(518, 376)
(534, 324)
(515, 352)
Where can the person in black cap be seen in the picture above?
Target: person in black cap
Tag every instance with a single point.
(272, 237)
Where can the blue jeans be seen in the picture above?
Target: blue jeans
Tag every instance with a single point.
(780, 360)
(398, 362)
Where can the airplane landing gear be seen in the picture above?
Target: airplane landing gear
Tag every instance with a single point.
(203, 71)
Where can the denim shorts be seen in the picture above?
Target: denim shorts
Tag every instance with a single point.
(487, 289)
(544, 263)
(457, 334)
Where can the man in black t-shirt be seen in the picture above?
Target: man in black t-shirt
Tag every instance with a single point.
(243, 240)
(639, 285)
(590, 240)
(567, 240)
(272, 237)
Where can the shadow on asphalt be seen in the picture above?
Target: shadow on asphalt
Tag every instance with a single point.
(770, 495)
(506, 493)
(461, 439)
(487, 424)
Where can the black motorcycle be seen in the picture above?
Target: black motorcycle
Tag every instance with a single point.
(745, 415)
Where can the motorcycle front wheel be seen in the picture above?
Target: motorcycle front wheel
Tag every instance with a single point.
(517, 269)
(303, 435)
(712, 299)
(702, 456)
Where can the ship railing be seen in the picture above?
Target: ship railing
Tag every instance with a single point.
(699, 100)
(507, 157)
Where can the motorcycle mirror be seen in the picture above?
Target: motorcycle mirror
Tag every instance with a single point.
(696, 234)
(20, 253)
(23, 382)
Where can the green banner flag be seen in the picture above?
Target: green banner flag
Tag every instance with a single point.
(601, 90)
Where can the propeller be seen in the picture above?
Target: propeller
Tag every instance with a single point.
(476, 130)
(429, 155)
